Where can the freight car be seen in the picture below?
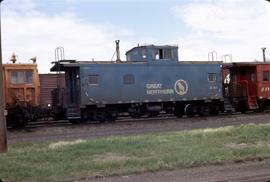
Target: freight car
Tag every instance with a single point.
(247, 85)
(152, 80)
(52, 87)
(28, 94)
(21, 90)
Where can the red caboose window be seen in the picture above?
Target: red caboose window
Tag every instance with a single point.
(253, 77)
(265, 75)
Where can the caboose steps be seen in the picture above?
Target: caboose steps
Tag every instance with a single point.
(252, 103)
(73, 112)
(228, 107)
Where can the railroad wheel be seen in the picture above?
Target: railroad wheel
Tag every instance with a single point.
(135, 111)
(261, 108)
(214, 110)
(17, 122)
(153, 114)
(189, 110)
(203, 110)
(242, 107)
(100, 116)
(111, 116)
(74, 121)
(21, 122)
(135, 115)
(178, 112)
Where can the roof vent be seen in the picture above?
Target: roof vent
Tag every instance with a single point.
(13, 58)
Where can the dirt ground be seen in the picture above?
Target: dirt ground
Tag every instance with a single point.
(252, 171)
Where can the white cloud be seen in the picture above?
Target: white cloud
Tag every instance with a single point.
(240, 27)
(29, 33)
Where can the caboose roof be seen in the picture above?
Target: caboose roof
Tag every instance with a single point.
(64, 64)
(21, 66)
(153, 47)
(244, 64)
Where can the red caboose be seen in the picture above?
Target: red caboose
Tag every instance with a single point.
(247, 85)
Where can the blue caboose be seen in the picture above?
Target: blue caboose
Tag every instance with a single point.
(151, 81)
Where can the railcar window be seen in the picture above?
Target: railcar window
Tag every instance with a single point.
(28, 77)
(160, 51)
(253, 77)
(129, 79)
(144, 54)
(156, 54)
(21, 77)
(172, 54)
(212, 77)
(163, 54)
(167, 54)
(265, 75)
(93, 80)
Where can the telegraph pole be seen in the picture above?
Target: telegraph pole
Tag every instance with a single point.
(3, 126)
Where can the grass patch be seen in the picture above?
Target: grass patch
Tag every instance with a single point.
(53, 161)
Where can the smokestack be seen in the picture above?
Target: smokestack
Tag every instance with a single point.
(117, 51)
(263, 50)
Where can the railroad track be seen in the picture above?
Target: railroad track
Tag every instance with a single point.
(127, 126)
(123, 119)
(126, 119)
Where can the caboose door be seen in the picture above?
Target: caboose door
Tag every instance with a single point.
(73, 93)
(247, 79)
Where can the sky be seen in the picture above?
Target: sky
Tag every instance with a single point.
(87, 29)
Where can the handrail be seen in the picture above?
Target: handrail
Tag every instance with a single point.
(59, 50)
(224, 58)
(59, 55)
(212, 55)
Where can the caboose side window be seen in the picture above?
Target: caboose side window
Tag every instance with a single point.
(93, 80)
(157, 54)
(21, 77)
(265, 75)
(253, 77)
(17, 77)
(212, 77)
(160, 52)
(129, 79)
(163, 54)
(28, 77)
(144, 56)
(167, 54)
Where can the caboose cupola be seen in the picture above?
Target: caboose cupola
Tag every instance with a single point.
(153, 53)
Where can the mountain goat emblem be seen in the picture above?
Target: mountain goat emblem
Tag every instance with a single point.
(181, 87)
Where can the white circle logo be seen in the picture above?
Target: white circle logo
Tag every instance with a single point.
(181, 87)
